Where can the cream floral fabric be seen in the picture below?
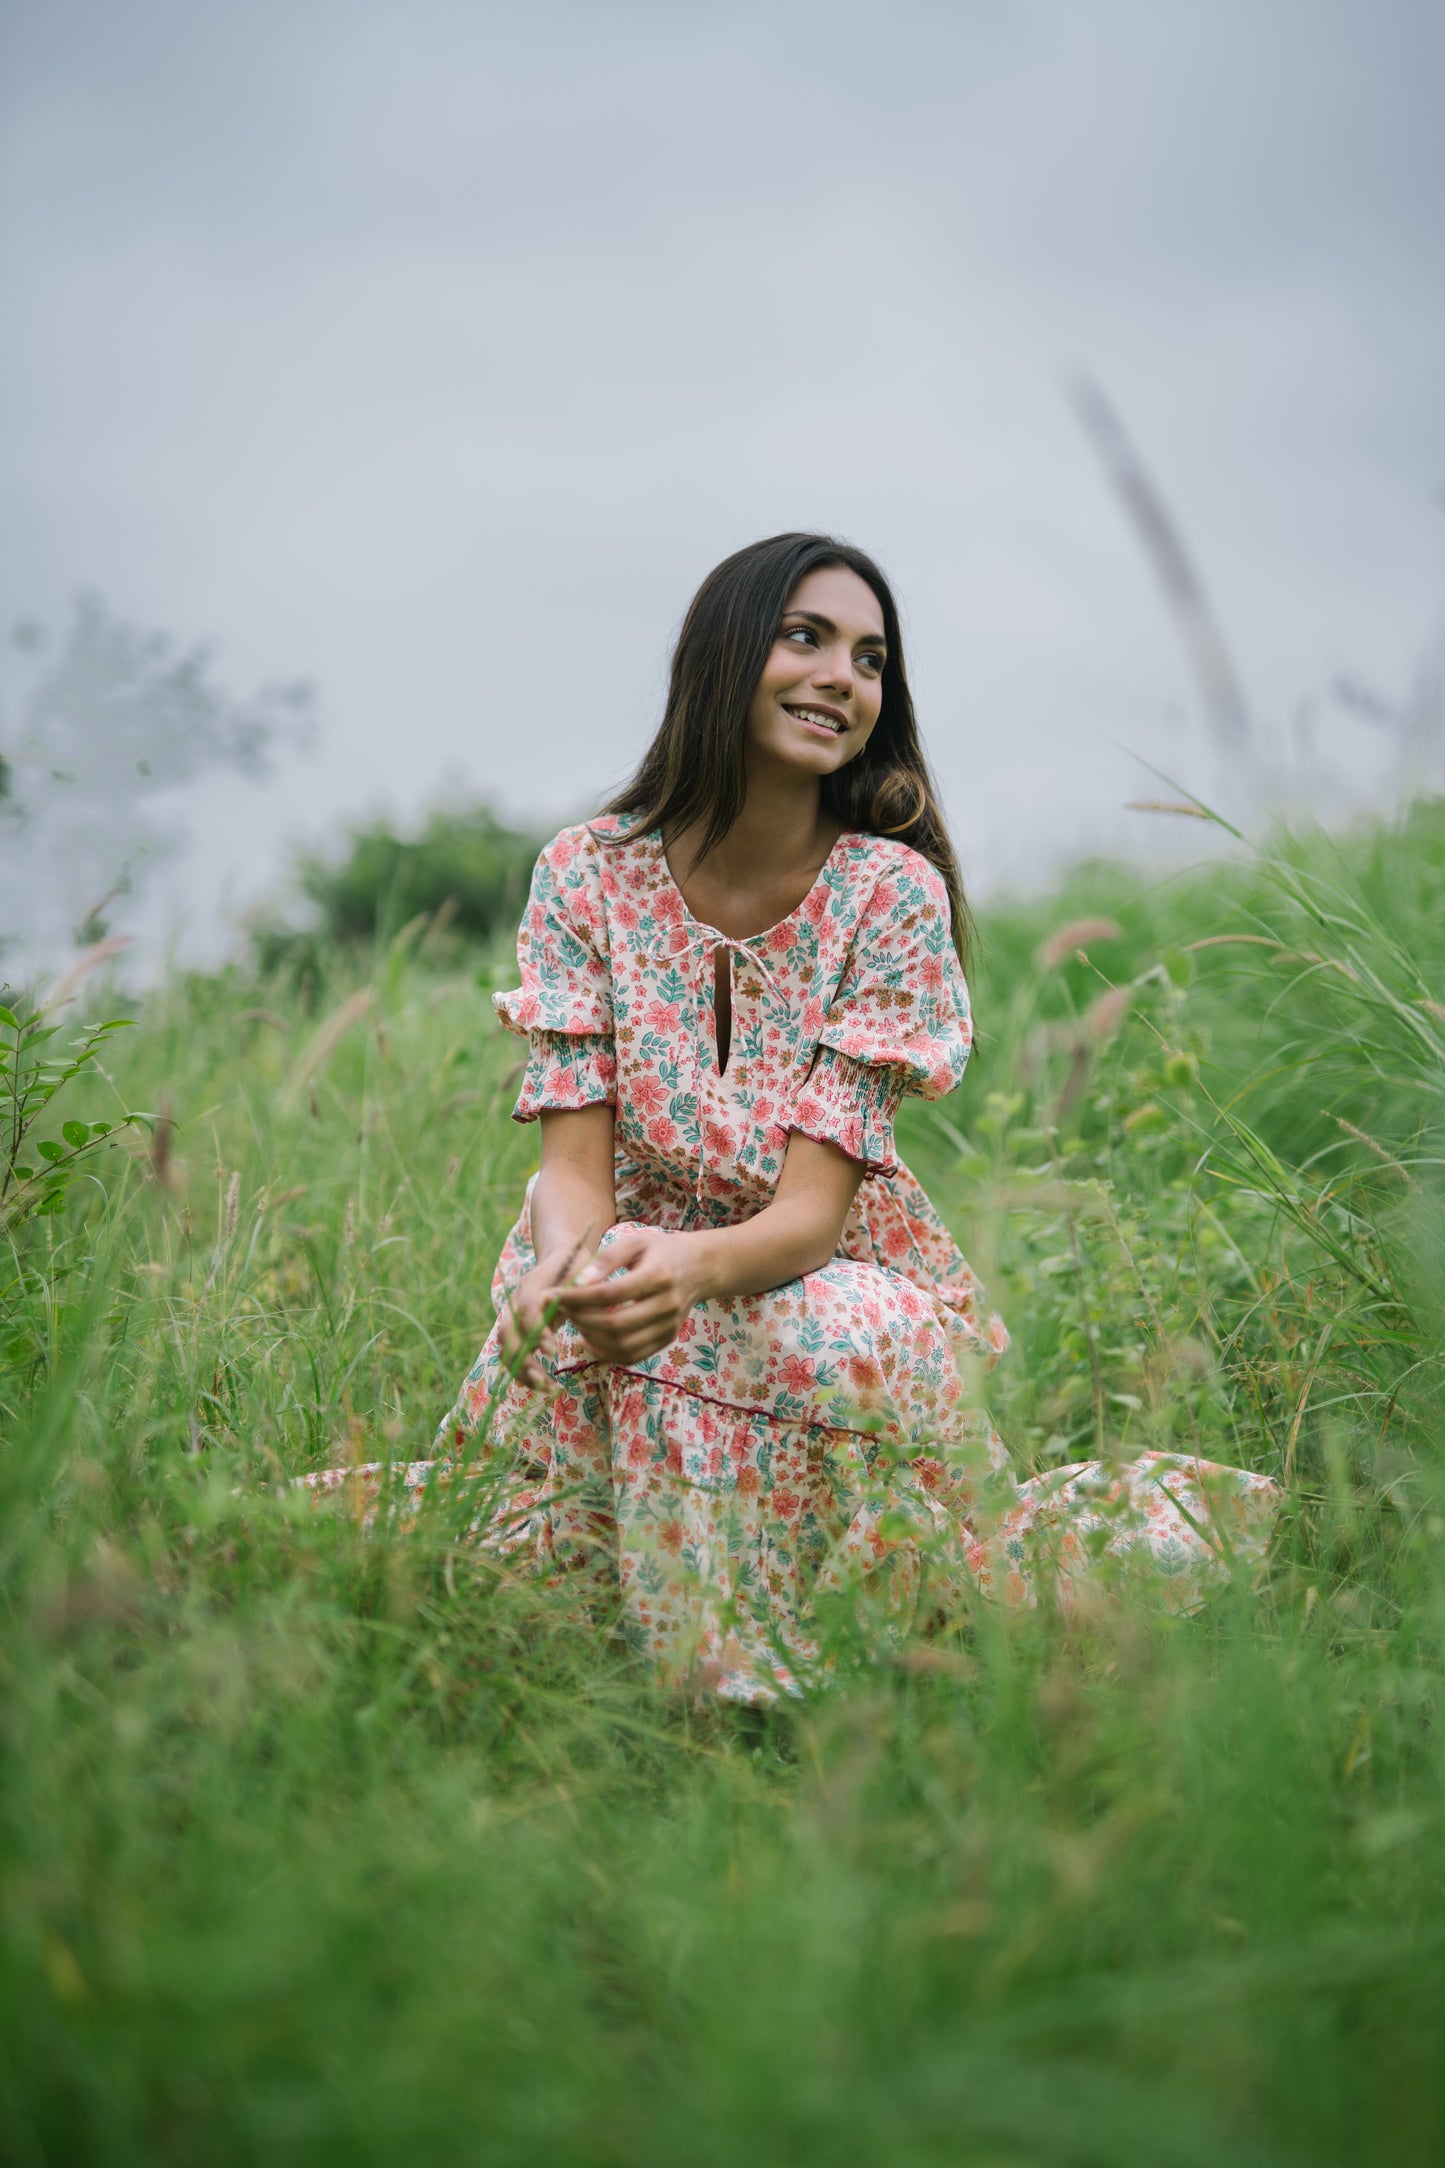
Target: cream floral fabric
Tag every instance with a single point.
(821, 1441)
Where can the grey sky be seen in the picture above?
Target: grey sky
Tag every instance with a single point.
(434, 351)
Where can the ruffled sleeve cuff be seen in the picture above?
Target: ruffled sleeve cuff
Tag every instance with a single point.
(851, 1104)
(567, 1070)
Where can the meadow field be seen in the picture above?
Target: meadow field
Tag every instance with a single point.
(324, 1845)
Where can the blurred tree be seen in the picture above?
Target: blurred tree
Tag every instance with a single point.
(111, 720)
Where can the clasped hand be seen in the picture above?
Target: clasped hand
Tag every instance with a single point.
(623, 1319)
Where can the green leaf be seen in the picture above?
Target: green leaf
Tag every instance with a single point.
(118, 1023)
(75, 1134)
(52, 1201)
(50, 1150)
(8, 1016)
(100, 1129)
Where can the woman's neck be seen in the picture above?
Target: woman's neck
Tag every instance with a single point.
(766, 863)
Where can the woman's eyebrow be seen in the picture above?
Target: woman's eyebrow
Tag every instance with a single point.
(825, 624)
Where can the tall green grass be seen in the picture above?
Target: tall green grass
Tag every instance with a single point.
(320, 1846)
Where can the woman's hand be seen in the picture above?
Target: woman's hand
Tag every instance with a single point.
(626, 1319)
(527, 1338)
(572, 1207)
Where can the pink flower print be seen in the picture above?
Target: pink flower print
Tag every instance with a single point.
(663, 1017)
(797, 1375)
(648, 1092)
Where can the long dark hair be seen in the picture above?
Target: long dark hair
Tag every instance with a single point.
(694, 772)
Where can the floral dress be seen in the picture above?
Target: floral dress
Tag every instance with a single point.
(821, 1441)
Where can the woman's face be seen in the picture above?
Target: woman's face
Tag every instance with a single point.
(818, 698)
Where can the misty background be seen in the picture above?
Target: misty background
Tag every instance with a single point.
(426, 356)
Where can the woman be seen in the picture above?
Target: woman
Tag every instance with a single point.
(736, 1346)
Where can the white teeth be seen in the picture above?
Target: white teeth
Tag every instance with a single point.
(814, 715)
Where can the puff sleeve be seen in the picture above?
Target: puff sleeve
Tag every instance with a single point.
(563, 1007)
(898, 1024)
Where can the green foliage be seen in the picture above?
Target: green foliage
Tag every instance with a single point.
(319, 1845)
(30, 1079)
(466, 867)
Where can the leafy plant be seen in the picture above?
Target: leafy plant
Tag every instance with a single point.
(29, 1081)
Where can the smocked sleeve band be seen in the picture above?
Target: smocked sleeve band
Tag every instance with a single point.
(851, 1104)
(566, 1070)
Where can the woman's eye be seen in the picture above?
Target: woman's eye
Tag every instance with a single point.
(870, 660)
(800, 632)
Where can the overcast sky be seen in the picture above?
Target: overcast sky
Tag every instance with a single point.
(433, 351)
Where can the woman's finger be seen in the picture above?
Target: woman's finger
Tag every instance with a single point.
(635, 1286)
(623, 1251)
(637, 1317)
(625, 1341)
(608, 1339)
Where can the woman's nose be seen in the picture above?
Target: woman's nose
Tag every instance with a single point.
(835, 669)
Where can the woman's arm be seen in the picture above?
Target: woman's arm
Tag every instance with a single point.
(573, 1205)
(626, 1319)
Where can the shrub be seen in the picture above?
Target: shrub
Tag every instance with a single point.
(466, 863)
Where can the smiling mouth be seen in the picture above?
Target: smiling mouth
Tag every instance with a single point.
(821, 718)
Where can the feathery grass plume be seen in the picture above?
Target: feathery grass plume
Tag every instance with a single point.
(1105, 1013)
(1066, 941)
(163, 1168)
(328, 1035)
(90, 959)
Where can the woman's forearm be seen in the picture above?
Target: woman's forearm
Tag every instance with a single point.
(574, 1200)
(797, 1233)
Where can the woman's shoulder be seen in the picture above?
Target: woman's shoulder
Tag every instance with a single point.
(585, 840)
(894, 872)
(581, 848)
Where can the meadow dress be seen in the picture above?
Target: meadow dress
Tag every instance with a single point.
(822, 1441)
